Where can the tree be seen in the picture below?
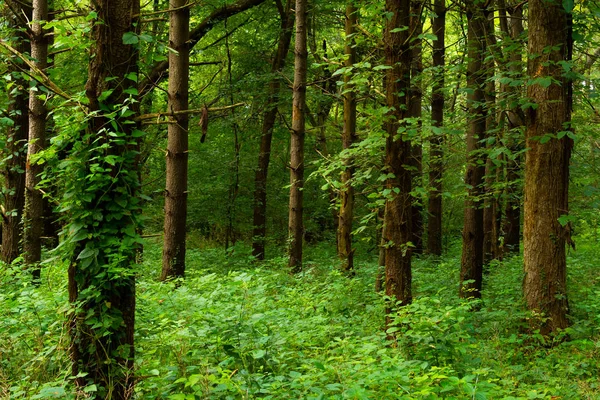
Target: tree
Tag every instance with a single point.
(269, 116)
(296, 208)
(471, 272)
(346, 213)
(177, 143)
(398, 212)
(33, 215)
(102, 197)
(15, 151)
(549, 142)
(436, 152)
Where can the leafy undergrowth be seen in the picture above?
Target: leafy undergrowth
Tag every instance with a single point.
(232, 330)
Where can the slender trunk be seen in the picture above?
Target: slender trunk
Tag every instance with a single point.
(547, 166)
(346, 213)
(14, 154)
(101, 277)
(33, 215)
(472, 248)
(264, 157)
(415, 111)
(296, 208)
(173, 263)
(398, 211)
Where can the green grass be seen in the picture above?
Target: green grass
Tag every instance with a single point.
(235, 330)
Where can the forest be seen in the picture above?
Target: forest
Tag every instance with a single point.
(299, 199)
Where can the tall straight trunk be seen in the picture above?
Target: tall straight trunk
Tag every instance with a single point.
(491, 206)
(103, 221)
(398, 212)
(264, 157)
(296, 208)
(415, 111)
(33, 215)
(472, 247)
(13, 192)
(547, 165)
(173, 262)
(346, 213)
(436, 142)
(512, 211)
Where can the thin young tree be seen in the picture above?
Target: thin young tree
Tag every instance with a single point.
(397, 230)
(296, 207)
(33, 215)
(471, 272)
(14, 154)
(547, 164)
(264, 156)
(346, 196)
(436, 142)
(103, 221)
(173, 262)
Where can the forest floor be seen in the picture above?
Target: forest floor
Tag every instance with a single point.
(235, 330)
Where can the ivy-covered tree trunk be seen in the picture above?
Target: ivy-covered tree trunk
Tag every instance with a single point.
(346, 213)
(296, 208)
(259, 231)
(14, 153)
(415, 112)
(436, 142)
(173, 262)
(471, 273)
(398, 212)
(33, 216)
(102, 196)
(547, 165)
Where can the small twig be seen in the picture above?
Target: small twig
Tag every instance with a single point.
(185, 112)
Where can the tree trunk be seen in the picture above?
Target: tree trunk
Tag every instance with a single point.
(346, 214)
(398, 211)
(436, 143)
(415, 111)
(33, 215)
(14, 167)
(173, 263)
(264, 157)
(547, 165)
(472, 248)
(296, 208)
(104, 219)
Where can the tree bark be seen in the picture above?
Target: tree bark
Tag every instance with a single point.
(436, 143)
(472, 248)
(398, 211)
(33, 215)
(296, 208)
(346, 213)
(106, 215)
(269, 117)
(173, 262)
(15, 151)
(415, 112)
(547, 165)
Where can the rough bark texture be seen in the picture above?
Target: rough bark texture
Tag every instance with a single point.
(296, 208)
(104, 287)
(415, 111)
(346, 213)
(259, 232)
(13, 192)
(173, 261)
(33, 216)
(398, 212)
(436, 152)
(472, 248)
(511, 225)
(547, 166)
